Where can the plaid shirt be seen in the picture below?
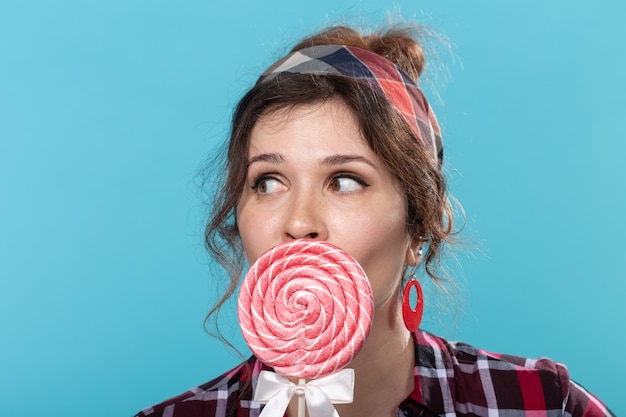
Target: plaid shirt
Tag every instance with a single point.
(451, 379)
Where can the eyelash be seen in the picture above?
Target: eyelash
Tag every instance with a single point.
(264, 177)
(352, 177)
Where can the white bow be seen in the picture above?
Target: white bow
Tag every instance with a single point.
(320, 394)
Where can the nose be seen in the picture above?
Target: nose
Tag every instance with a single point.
(305, 219)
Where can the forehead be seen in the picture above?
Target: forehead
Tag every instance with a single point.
(329, 125)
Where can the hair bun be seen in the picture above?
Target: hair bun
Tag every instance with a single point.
(400, 47)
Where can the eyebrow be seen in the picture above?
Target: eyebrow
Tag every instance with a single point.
(273, 158)
(339, 159)
(344, 159)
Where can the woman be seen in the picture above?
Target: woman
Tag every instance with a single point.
(336, 142)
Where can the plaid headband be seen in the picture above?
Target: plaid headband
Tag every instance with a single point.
(374, 71)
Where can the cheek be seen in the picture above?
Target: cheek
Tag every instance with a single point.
(245, 221)
(257, 232)
(381, 250)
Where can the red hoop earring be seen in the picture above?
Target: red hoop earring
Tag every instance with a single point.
(412, 318)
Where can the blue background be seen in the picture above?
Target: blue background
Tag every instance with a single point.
(108, 108)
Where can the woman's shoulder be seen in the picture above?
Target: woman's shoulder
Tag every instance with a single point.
(468, 361)
(213, 398)
(477, 378)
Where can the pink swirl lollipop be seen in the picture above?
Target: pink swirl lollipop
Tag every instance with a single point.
(305, 308)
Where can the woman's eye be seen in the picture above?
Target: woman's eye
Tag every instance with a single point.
(346, 184)
(267, 185)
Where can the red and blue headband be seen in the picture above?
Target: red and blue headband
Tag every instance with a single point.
(374, 71)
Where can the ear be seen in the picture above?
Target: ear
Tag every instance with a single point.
(413, 255)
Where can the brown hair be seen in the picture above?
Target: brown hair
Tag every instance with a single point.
(429, 214)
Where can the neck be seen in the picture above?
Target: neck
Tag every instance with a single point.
(383, 369)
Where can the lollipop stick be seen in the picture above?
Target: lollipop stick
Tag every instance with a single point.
(301, 381)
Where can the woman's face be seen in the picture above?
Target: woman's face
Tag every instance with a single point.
(311, 174)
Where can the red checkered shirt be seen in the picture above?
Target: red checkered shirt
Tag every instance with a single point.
(451, 379)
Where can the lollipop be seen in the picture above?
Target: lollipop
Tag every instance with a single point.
(305, 308)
